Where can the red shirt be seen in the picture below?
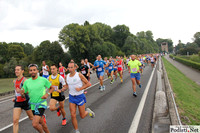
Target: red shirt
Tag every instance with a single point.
(62, 71)
(19, 84)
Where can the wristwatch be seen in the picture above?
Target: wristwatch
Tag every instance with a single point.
(48, 93)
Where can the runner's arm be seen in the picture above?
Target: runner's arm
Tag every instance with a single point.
(48, 68)
(85, 81)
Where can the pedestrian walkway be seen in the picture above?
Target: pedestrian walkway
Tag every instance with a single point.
(191, 73)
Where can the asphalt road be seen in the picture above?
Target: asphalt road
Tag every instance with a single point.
(115, 109)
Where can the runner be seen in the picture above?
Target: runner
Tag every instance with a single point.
(111, 69)
(120, 66)
(106, 68)
(99, 65)
(115, 68)
(62, 70)
(133, 67)
(36, 89)
(124, 59)
(58, 82)
(152, 61)
(76, 66)
(142, 62)
(45, 70)
(84, 69)
(88, 64)
(76, 87)
(20, 102)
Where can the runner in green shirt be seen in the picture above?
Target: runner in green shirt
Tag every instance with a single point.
(134, 70)
(36, 89)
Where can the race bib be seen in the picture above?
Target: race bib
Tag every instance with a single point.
(110, 67)
(119, 65)
(99, 69)
(55, 93)
(83, 72)
(134, 69)
(61, 73)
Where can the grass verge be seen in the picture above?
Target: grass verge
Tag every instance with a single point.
(187, 94)
(6, 85)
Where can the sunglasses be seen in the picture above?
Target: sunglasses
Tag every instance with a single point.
(31, 65)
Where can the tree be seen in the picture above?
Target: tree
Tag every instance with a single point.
(28, 49)
(120, 33)
(197, 38)
(3, 52)
(48, 51)
(16, 51)
(9, 67)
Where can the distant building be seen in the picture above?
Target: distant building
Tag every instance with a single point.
(164, 47)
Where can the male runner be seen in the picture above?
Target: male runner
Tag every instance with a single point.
(133, 67)
(152, 61)
(110, 65)
(99, 65)
(45, 70)
(58, 82)
(115, 68)
(20, 102)
(106, 68)
(62, 70)
(88, 64)
(120, 66)
(84, 69)
(77, 98)
(36, 88)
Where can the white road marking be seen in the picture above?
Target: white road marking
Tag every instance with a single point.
(7, 99)
(136, 119)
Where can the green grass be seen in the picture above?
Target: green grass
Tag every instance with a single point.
(6, 85)
(187, 94)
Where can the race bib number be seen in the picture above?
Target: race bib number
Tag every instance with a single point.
(119, 65)
(134, 69)
(55, 93)
(99, 69)
(110, 67)
(83, 72)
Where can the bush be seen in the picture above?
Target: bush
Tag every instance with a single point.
(195, 58)
(186, 62)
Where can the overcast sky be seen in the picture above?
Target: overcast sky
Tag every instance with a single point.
(33, 21)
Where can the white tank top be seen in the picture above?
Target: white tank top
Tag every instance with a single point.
(45, 72)
(73, 83)
(152, 60)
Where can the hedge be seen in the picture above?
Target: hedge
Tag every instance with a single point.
(186, 62)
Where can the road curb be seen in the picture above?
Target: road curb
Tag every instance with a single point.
(161, 120)
(7, 93)
(173, 112)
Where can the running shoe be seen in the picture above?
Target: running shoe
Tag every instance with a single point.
(77, 131)
(85, 92)
(104, 88)
(111, 82)
(101, 88)
(64, 121)
(90, 83)
(109, 77)
(121, 80)
(58, 112)
(140, 85)
(134, 94)
(44, 118)
(91, 113)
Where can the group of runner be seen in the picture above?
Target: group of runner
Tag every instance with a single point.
(31, 94)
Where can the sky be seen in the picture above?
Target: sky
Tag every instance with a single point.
(33, 21)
